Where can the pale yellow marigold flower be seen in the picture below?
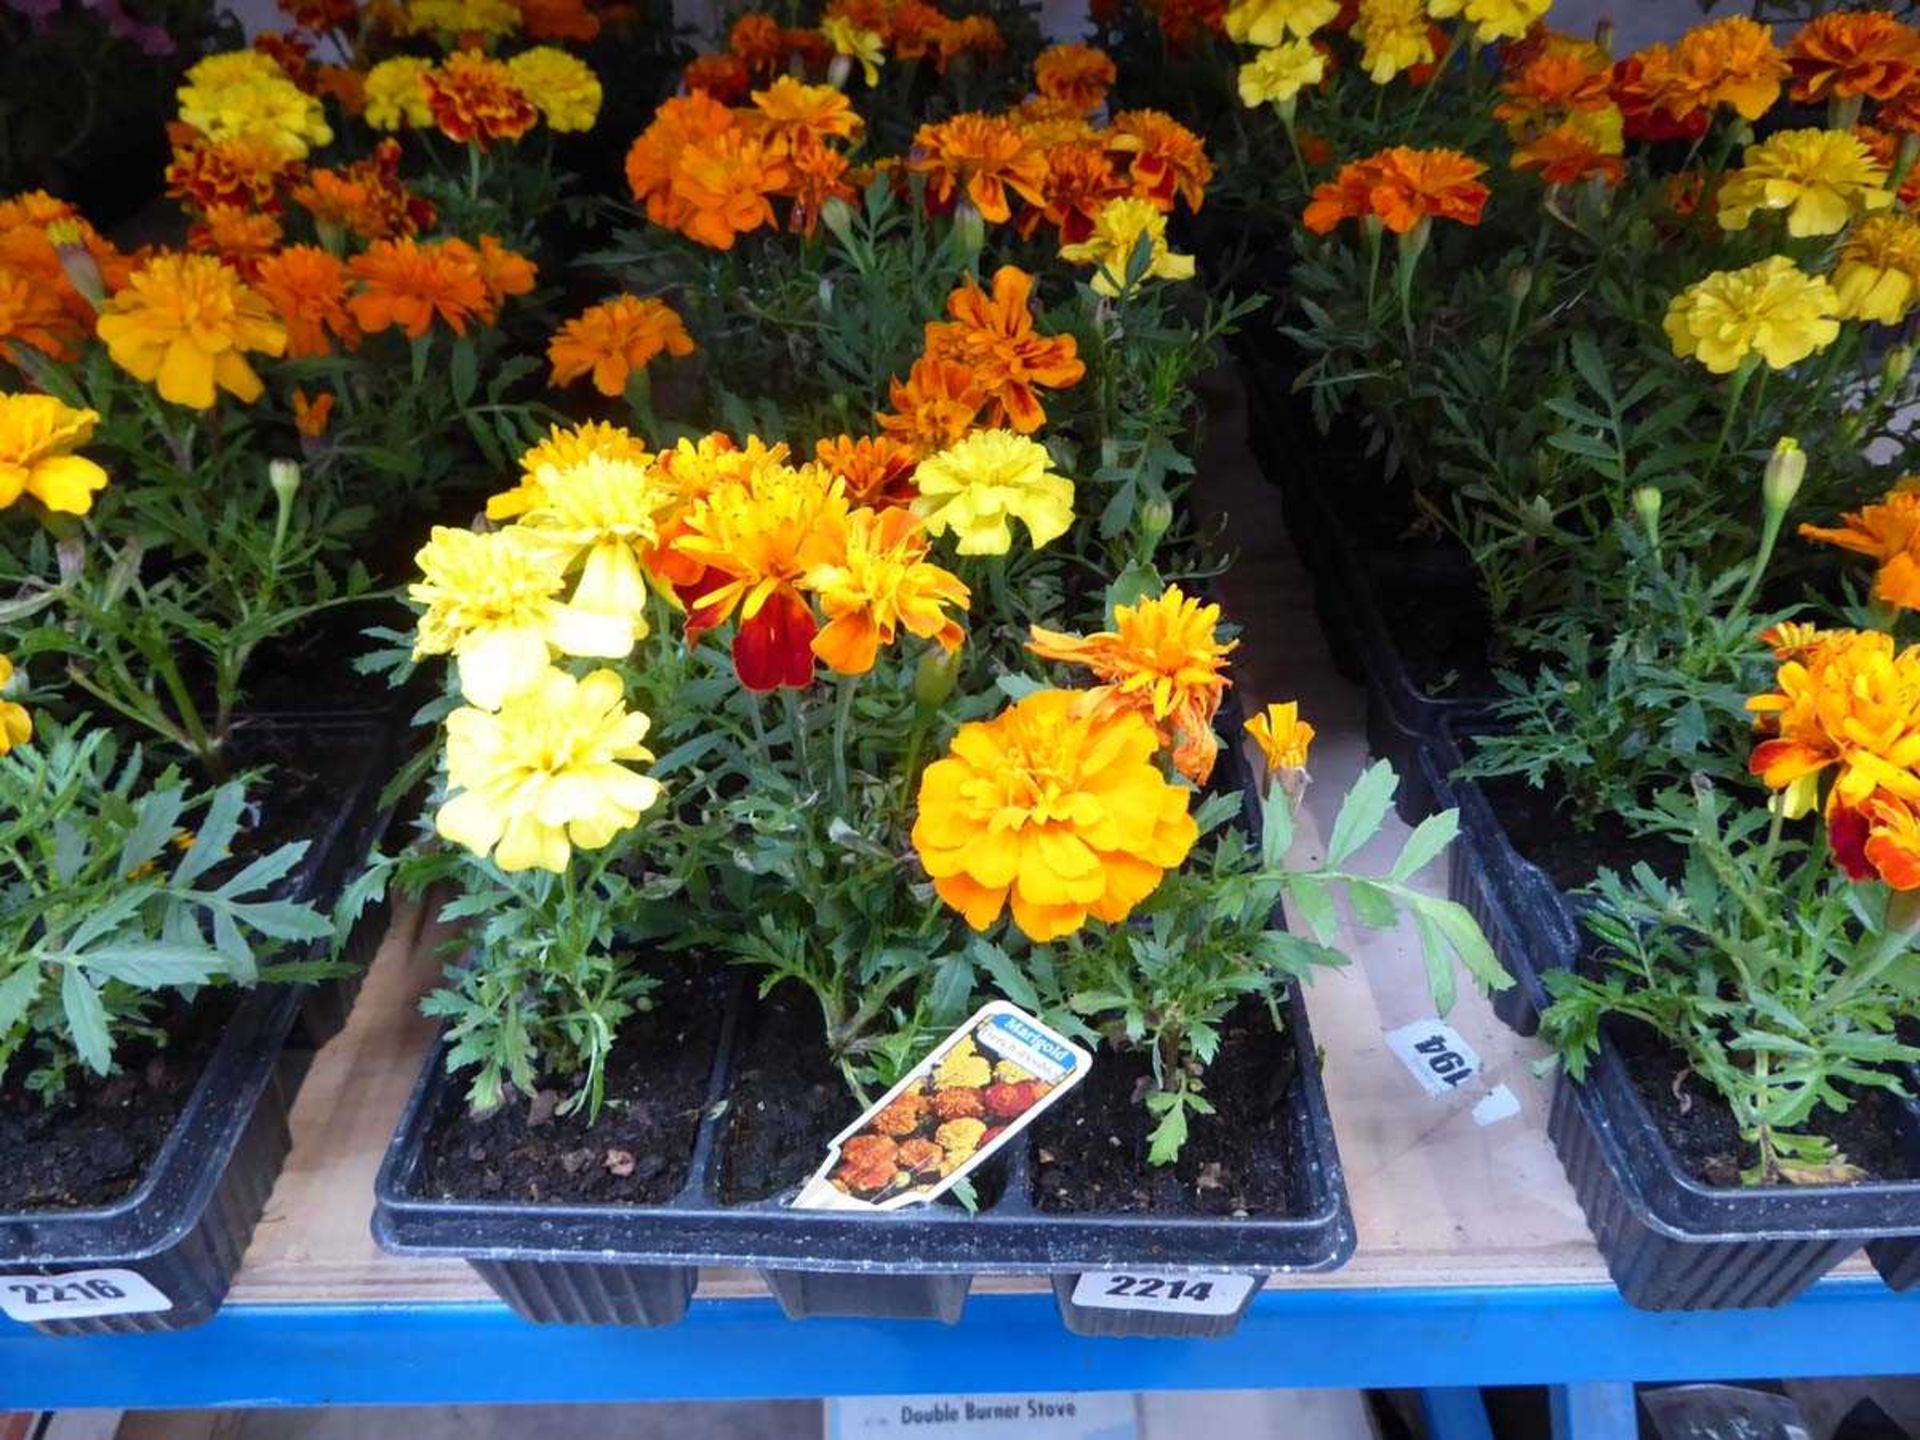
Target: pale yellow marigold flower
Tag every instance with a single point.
(1279, 73)
(38, 435)
(979, 484)
(547, 774)
(397, 94)
(493, 603)
(601, 515)
(1394, 35)
(562, 87)
(1823, 179)
(16, 725)
(1268, 22)
(1878, 274)
(849, 40)
(1772, 310)
(564, 447)
(1117, 231)
(1492, 20)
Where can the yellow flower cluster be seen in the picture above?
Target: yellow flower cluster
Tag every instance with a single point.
(245, 96)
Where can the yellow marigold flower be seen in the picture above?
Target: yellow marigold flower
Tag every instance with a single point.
(548, 773)
(226, 98)
(186, 324)
(1117, 232)
(1878, 275)
(1821, 178)
(1770, 309)
(975, 486)
(1278, 74)
(962, 1068)
(1852, 706)
(881, 584)
(602, 515)
(1268, 22)
(397, 93)
(1282, 736)
(1492, 20)
(958, 1139)
(38, 435)
(564, 447)
(1162, 661)
(613, 339)
(16, 724)
(1054, 809)
(463, 17)
(492, 602)
(849, 40)
(1394, 36)
(562, 87)
(803, 112)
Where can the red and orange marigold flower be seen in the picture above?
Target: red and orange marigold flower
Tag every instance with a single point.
(1402, 187)
(1077, 75)
(993, 335)
(980, 158)
(1164, 158)
(877, 470)
(366, 199)
(1850, 53)
(474, 100)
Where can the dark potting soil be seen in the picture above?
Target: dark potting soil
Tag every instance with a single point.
(1090, 1151)
(312, 667)
(787, 1101)
(95, 1145)
(1441, 635)
(1704, 1136)
(640, 1148)
(307, 772)
(1544, 833)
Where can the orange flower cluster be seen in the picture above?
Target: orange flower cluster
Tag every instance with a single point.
(1847, 703)
(1078, 76)
(759, 48)
(1888, 533)
(1402, 188)
(1557, 105)
(406, 285)
(1853, 53)
(240, 171)
(713, 172)
(981, 368)
(1669, 92)
(1060, 167)
(366, 199)
(42, 308)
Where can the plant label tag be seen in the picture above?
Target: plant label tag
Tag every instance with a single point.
(79, 1295)
(1435, 1055)
(1167, 1292)
(977, 1090)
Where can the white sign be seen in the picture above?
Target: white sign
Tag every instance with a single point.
(1166, 1292)
(1435, 1055)
(79, 1295)
(984, 1417)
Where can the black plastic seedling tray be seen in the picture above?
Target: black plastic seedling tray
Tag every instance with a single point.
(185, 1227)
(1672, 1243)
(634, 1265)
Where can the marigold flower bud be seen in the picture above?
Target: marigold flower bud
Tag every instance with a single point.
(969, 228)
(1895, 368)
(1786, 467)
(284, 477)
(1156, 516)
(82, 271)
(837, 216)
(71, 552)
(1519, 283)
(1646, 504)
(934, 679)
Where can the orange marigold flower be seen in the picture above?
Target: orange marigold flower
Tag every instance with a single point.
(1653, 104)
(1078, 75)
(33, 318)
(938, 403)
(1166, 158)
(1081, 179)
(796, 112)
(1731, 62)
(238, 171)
(1848, 53)
(877, 470)
(757, 39)
(1182, 22)
(292, 53)
(1163, 661)
(1891, 849)
(980, 157)
(1888, 533)
(311, 417)
(994, 336)
(916, 30)
(613, 339)
(1403, 187)
(346, 88)
(678, 124)
(970, 35)
(816, 173)
(408, 285)
(474, 100)
(308, 287)
(722, 76)
(721, 187)
(1884, 148)
(1554, 82)
(238, 236)
(504, 272)
(1793, 639)
(559, 20)
(1851, 706)
(879, 584)
(320, 16)
(1564, 155)
(365, 199)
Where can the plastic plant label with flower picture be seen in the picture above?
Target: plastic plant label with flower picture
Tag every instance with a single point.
(955, 1110)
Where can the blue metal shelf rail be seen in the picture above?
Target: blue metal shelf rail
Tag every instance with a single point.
(259, 1355)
